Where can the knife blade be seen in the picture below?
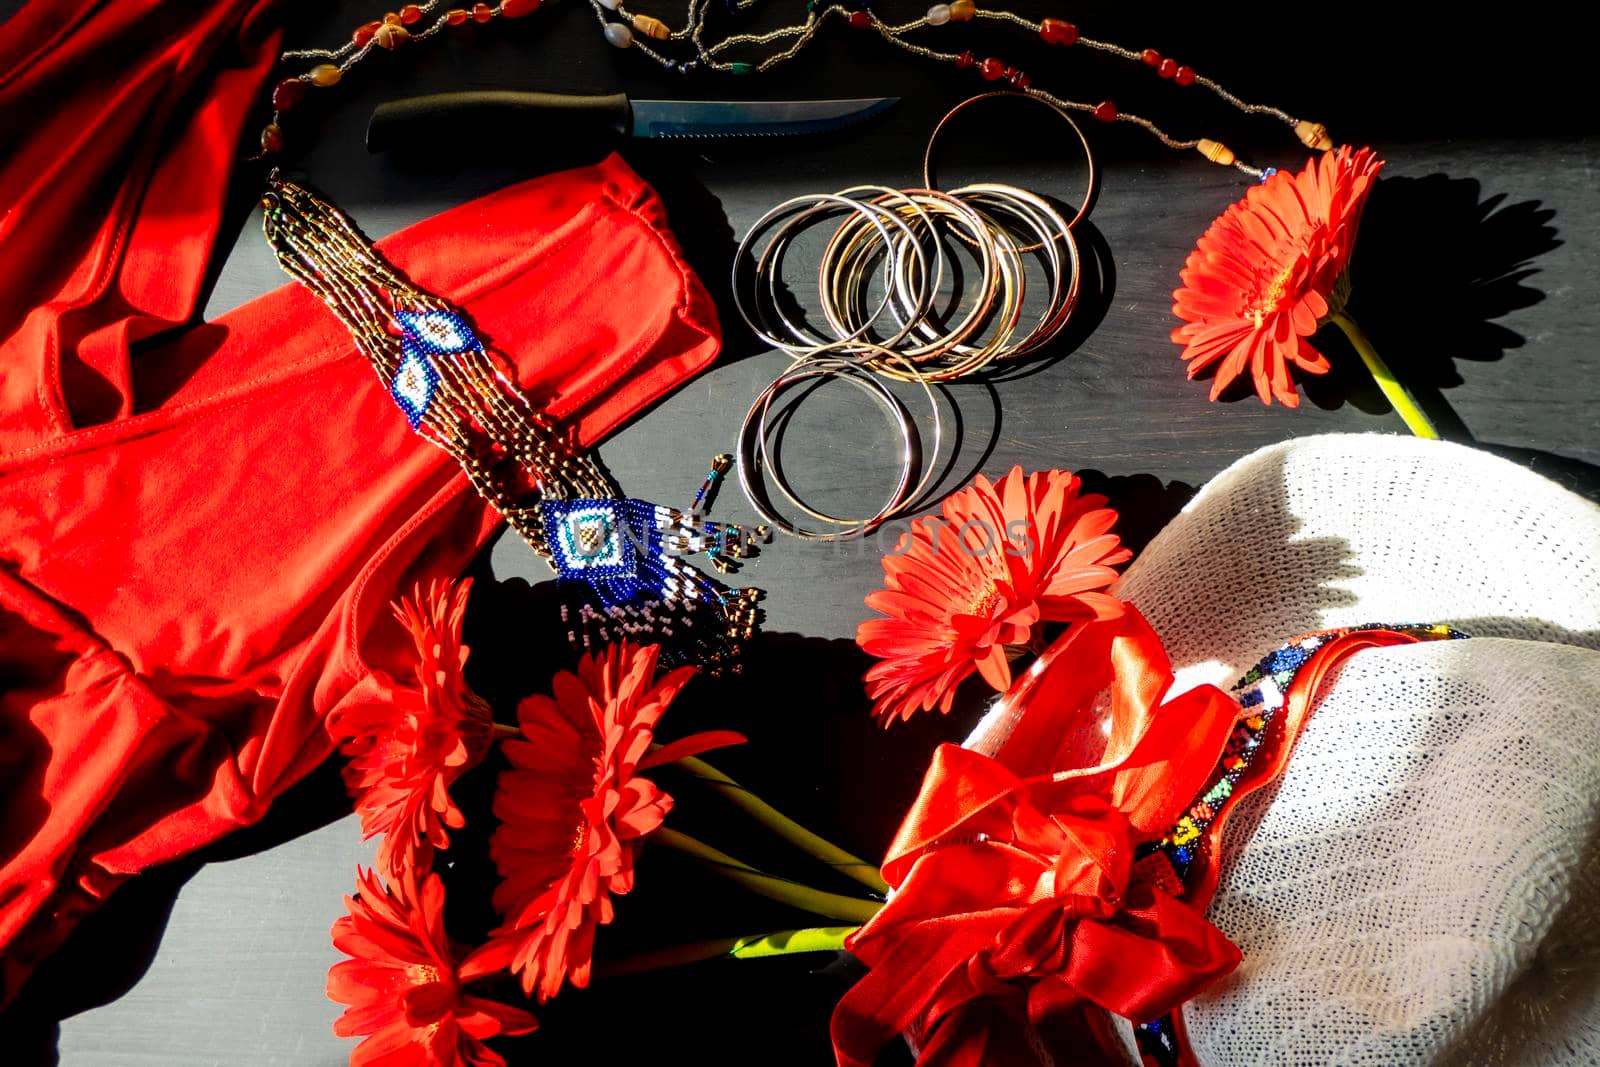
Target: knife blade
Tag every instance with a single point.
(428, 121)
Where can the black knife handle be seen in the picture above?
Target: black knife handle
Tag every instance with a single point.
(426, 122)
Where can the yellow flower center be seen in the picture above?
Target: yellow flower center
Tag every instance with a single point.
(984, 604)
(1267, 303)
(422, 974)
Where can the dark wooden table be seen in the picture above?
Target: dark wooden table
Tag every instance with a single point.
(1476, 275)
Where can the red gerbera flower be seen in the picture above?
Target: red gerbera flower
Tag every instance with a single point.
(973, 584)
(1259, 282)
(405, 751)
(404, 986)
(573, 811)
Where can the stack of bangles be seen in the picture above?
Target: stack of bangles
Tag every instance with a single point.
(895, 241)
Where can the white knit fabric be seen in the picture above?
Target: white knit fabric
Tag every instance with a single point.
(1423, 886)
(1345, 529)
(1425, 871)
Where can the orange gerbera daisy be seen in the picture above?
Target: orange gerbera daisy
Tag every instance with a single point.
(404, 986)
(405, 751)
(574, 811)
(1260, 281)
(971, 584)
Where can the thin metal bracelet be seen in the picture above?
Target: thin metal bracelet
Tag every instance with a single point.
(1090, 190)
(756, 463)
(785, 220)
(1055, 232)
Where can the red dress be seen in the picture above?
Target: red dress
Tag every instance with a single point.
(199, 537)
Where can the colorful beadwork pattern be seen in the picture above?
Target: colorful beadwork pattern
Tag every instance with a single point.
(1261, 692)
(623, 557)
(617, 559)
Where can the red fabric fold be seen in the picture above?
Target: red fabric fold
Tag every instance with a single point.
(201, 526)
(1016, 895)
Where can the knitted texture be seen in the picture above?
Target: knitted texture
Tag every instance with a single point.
(1423, 885)
(1424, 874)
(1345, 529)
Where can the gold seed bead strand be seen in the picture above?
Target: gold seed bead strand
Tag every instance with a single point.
(348, 276)
(349, 291)
(338, 61)
(802, 33)
(892, 35)
(631, 30)
(1312, 134)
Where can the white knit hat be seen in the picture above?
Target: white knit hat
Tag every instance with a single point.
(1423, 885)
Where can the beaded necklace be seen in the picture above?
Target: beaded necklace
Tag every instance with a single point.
(619, 562)
(624, 29)
(620, 555)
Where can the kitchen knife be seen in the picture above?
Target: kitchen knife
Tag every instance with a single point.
(449, 118)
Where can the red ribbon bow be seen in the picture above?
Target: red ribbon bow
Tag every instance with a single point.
(1017, 899)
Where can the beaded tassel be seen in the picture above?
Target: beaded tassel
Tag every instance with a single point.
(620, 561)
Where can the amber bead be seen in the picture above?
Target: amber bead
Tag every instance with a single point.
(391, 19)
(482, 12)
(456, 16)
(390, 37)
(1058, 32)
(364, 33)
(1313, 135)
(1151, 57)
(992, 69)
(860, 19)
(325, 74)
(1215, 151)
(965, 60)
(1106, 111)
(515, 9)
(1185, 76)
(653, 28)
(1168, 68)
(1018, 79)
(962, 10)
(287, 93)
(410, 14)
(272, 138)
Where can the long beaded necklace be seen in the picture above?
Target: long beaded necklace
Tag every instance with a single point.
(624, 29)
(620, 562)
(621, 555)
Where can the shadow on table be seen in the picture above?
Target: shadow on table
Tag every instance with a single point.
(813, 750)
(1435, 265)
(1571, 474)
(1097, 287)
(1143, 502)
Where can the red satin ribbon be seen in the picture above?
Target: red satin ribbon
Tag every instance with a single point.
(1016, 896)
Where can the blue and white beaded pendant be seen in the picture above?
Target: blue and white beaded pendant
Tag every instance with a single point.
(426, 334)
(436, 333)
(588, 541)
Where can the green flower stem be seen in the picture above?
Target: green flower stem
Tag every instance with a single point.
(778, 943)
(817, 901)
(506, 732)
(849, 865)
(1399, 396)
